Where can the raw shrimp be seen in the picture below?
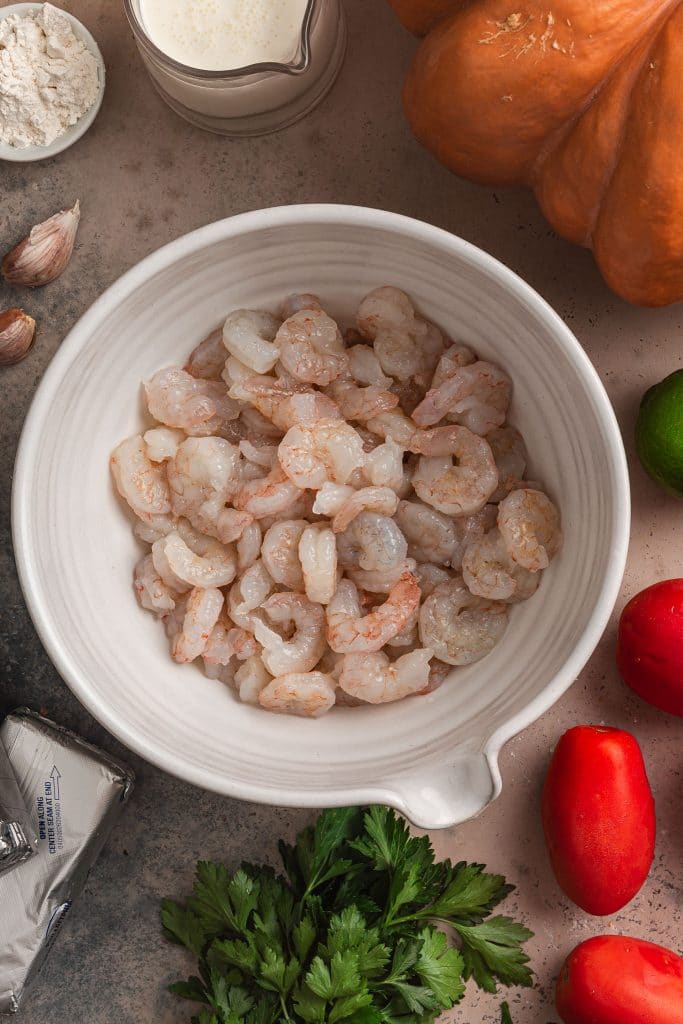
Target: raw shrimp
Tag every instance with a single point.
(471, 528)
(365, 368)
(430, 577)
(394, 426)
(296, 302)
(327, 450)
(349, 632)
(373, 581)
(255, 424)
(202, 476)
(318, 557)
(162, 443)
(207, 360)
(488, 571)
(219, 649)
(308, 694)
(459, 489)
(199, 407)
(376, 680)
(476, 396)
(141, 482)
(529, 524)
(222, 673)
(248, 593)
(361, 403)
(304, 650)
(248, 547)
(153, 593)
(250, 679)
(459, 627)
(331, 498)
(509, 453)
(154, 528)
(450, 362)
(372, 541)
(267, 496)
(384, 466)
(248, 334)
(201, 615)
(431, 535)
(438, 673)
(368, 499)
(180, 567)
(280, 552)
(260, 454)
(311, 347)
(408, 637)
(405, 344)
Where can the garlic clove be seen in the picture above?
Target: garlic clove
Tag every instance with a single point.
(17, 331)
(44, 254)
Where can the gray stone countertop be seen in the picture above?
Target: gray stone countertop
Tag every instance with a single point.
(145, 177)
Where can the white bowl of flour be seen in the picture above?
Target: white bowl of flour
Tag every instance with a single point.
(52, 79)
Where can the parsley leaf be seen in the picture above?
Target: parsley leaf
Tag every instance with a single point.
(505, 1016)
(349, 935)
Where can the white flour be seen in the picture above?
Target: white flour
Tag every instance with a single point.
(48, 78)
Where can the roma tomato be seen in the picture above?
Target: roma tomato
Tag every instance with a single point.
(650, 645)
(599, 818)
(613, 979)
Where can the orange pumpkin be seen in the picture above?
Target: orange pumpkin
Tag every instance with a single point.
(583, 101)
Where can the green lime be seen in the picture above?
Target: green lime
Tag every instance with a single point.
(659, 432)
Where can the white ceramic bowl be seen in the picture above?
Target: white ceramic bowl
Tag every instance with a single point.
(76, 131)
(433, 757)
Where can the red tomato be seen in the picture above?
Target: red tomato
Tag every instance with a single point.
(599, 818)
(650, 645)
(613, 979)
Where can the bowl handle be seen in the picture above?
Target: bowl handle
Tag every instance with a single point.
(445, 795)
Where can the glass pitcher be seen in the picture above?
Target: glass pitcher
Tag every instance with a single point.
(257, 99)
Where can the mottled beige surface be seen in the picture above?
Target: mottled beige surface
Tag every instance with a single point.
(144, 177)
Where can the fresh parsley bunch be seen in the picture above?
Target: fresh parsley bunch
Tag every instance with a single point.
(350, 935)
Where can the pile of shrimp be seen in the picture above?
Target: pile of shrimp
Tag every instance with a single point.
(333, 518)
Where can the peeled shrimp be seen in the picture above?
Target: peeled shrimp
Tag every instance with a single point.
(248, 593)
(199, 407)
(219, 649)
(361, 403)
(202, 476)
(201, 615)
(372, 541)
(318, 557)
(207, 360)
(430, 577)
(248, 547)
(162, 443)
(374, 679)
(141, 482)
(331, 498)
(450, 362)
(308, 694)
(250, 679)
(405, 344)
(264, 455)
(383, 466)
(488, 571)
(182, 568)
(431, 535)
(378, 581)
(153, 593)
(529, 524)
(476, 396)
(459, 489)
(311, 347)
(304, 650)
(459, 627)
(471, 528)
(368, 499)
(394, 426)
(327, 450)
(248, 335)
(365, 367)
(267, 496)
(280, 552)
(509, 453)
(298, 301)
(349, 632)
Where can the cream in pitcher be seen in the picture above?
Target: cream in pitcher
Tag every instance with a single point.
(219, 35)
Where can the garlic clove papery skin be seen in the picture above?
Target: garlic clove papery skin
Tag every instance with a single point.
(44, 254)
(17, 331)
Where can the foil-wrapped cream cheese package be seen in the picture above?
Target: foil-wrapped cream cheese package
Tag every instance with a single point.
(74, 793)
(18, 839)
